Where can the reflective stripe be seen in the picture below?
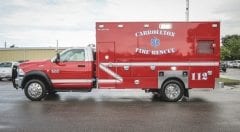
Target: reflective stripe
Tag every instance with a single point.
(119, 79)
(108, 81)
(72, 80)
(110, 72)
(162, 64)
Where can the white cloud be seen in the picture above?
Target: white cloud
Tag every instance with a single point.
(143, 10)
(72, 22)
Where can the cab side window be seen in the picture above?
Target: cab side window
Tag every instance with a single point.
(73, 55)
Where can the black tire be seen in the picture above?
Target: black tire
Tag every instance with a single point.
(179, 90)
(0, 79)
(32, 86)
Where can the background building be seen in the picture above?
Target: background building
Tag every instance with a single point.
(23, 54)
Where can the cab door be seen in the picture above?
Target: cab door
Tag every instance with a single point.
(72, 71)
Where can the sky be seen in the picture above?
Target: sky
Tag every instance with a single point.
(40, 23)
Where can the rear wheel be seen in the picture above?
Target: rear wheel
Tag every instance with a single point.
(35, 90)
(172, 90)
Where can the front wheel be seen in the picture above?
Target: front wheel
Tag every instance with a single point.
(172, 90)
(35, 90)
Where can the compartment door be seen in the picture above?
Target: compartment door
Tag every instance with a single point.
(106, 56)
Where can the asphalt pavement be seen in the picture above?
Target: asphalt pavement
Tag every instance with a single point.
(120, 110)
(232, 73)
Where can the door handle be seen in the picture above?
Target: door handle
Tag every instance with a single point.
(81, 65)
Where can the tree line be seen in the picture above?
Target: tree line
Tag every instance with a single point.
(230, 49)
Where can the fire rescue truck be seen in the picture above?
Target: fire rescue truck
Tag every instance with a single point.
(166, 58)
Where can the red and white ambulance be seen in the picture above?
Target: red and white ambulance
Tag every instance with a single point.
(167, 58)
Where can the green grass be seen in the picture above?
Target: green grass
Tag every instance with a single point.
(227, 81)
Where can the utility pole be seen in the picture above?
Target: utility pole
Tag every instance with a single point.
(187, 10)
(57, 46)
(5, 44)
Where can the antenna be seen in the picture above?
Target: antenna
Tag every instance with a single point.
(187, 10)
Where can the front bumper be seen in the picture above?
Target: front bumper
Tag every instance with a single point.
(18, 82)
(16, 78)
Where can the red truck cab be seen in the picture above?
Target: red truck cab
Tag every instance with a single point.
(72, 69)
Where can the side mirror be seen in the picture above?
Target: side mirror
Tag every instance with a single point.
(57, 60)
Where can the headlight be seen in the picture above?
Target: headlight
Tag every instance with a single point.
(21, 72)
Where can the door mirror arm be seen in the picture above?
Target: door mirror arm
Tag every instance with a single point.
(57, 59)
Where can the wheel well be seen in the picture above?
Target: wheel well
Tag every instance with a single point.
(39, 77)
(174, 78)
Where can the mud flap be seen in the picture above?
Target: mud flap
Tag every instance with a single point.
(186, 93)
(185, 97)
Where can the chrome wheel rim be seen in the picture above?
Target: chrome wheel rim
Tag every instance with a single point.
(35, 90)
(172, 91)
